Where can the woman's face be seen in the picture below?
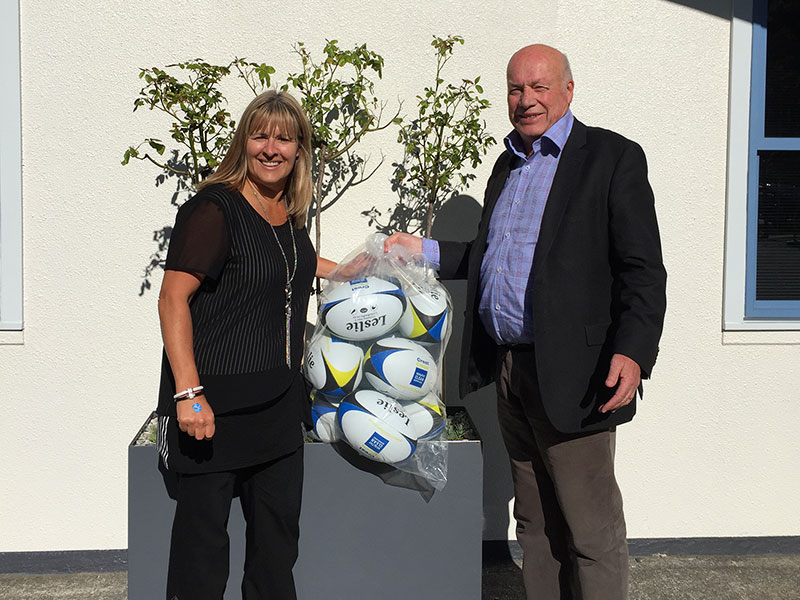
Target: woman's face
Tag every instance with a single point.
(271, 155)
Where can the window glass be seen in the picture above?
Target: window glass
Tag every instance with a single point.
(778, 246)
(782, 98)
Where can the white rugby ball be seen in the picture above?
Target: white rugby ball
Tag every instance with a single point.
(400, 368)
(428, 416)
(323, 416)
(376, 426)
(363, 309)
(426, 317)
(333, 367)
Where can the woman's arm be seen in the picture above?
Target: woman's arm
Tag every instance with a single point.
(324, 267)
(327, 269)
(177, 289)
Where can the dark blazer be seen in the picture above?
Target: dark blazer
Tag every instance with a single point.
(598, 284)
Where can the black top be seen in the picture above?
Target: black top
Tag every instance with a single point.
(238, 313)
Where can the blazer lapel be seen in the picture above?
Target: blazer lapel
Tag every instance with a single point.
(565, 184)
(495, 186)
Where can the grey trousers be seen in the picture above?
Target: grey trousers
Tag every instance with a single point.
(567, 504)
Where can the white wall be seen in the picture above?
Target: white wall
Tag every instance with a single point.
(713, 451)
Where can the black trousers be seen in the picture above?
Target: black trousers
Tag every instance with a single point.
(270, 495)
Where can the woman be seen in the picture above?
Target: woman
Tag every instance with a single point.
(232, 307)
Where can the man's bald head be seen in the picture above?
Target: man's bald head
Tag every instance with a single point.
(539, 51)
(539, 90)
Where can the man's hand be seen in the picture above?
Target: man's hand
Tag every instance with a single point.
(624, 373)
(412, 242)
(198, 424)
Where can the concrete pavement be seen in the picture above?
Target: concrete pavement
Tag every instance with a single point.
(653, 577)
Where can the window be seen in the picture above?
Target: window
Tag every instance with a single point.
(773, 232)
(763, 232)
(10, 170)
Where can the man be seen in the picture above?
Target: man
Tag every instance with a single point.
(565, 305)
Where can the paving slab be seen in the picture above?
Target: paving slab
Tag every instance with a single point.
(70, 586)
(662, 577)
(653, 577)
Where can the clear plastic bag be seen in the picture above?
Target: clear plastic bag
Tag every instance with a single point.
(375, 360)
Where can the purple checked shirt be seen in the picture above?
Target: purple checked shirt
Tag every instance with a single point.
(507, 268)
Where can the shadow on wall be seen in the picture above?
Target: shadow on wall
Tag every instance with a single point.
(721, 8)
(457, 220)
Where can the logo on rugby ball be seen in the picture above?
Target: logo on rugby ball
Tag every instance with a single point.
(363, 309)
(400, 368)
(376, 426)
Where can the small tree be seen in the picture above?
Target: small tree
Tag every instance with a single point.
(201, 127)
(337, 93)
(445, 138)
(201, 124)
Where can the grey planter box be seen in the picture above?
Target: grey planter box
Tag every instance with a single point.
(359, 537)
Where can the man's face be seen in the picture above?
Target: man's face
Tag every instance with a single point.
(538, 94)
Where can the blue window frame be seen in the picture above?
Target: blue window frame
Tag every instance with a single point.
(773, 206)
(10, 170)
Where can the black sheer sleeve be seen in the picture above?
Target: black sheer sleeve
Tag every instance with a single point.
(200, 242)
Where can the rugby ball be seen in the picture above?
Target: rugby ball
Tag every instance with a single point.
(400, 368)
(363, 309)
(426, 316)
(427, 416)
(323, 416)
(376, 426)
(333, 367)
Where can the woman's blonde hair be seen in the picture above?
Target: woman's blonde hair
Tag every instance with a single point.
(267, 112)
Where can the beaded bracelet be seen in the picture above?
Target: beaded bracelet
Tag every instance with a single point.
(189, 393)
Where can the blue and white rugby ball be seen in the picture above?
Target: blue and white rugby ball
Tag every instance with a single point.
(376, 426)
(363, 309)
(333, 367)
(323, 416)
(427, 415)
(400, 368)
(426, 317)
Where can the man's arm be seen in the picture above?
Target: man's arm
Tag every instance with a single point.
(640, 277)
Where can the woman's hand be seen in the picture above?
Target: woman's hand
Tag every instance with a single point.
(345, 271)
(197, 423)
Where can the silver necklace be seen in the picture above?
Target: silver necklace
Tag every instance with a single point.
(289, 276)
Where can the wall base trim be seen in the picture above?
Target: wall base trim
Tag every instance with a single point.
(64, 561)
(707, 546)
(721, 546)
(108, 561)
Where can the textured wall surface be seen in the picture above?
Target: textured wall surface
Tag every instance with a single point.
(713, 451)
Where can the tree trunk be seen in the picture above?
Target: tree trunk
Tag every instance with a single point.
(429, 216)
(318, 210)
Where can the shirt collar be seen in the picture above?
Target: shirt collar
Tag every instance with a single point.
(550, 143)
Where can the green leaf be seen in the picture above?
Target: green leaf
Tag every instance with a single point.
(157, 145)
(129, 153)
